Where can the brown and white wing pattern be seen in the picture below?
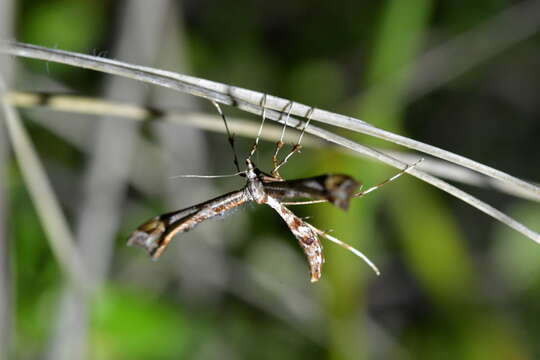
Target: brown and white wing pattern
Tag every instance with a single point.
(156, 234)
(337, 189)
(307, 237)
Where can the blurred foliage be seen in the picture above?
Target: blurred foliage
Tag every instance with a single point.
(454, 283)
(131, 325)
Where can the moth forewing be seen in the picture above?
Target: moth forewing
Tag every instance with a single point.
(155, 235)
(148, 234)
(306, 236)
(337, 189)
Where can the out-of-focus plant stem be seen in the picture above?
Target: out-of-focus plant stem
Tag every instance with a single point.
(347, 279)
(433, 245)
(106, 179)
(6, 303)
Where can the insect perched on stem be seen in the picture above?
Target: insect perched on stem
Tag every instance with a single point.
(262, 188)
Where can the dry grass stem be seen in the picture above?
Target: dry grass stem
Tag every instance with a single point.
(49, 211)
(246, 128)
(249, 101)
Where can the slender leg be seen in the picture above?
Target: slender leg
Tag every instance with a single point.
(297, 147)
(263, 106)
(389, 180)
(280, 143)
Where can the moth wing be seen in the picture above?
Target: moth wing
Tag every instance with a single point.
(306, 236)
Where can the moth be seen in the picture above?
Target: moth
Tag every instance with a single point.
(156, 234)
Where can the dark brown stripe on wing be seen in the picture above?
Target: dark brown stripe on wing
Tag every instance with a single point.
(155, 235)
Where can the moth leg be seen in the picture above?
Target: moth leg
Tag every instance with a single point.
(348, 247)
(389, 180)
(280, 143)
(297, 147)
(263, 114)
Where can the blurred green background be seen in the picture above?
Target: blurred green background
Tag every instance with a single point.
(460, 75)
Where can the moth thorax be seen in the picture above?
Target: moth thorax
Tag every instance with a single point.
(256, 190)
